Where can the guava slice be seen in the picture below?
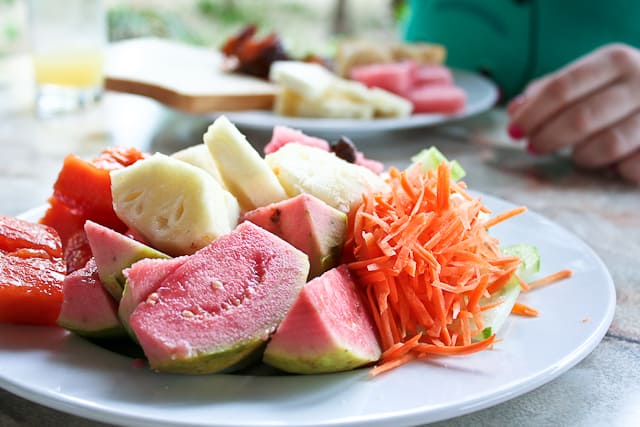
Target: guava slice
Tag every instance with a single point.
(113, 252)
(87, 308)
(327, 330)
(143, 278)
(310, 225)
(221, 305)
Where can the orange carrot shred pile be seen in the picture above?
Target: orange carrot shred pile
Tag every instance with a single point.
(425, 261)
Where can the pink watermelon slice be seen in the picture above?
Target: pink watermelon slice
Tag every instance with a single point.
(433, 74)
(219, 307)
(326, 330)
(445, 99)
(309, 224)
(283, 135)
(397, 77)
(87, 308)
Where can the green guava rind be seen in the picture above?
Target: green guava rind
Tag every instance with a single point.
(227, 360)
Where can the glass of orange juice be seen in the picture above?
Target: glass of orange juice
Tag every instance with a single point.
(67, 40)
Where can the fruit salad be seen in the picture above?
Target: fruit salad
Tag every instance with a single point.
(309, 258)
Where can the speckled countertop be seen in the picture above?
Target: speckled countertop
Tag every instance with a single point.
(603, 389)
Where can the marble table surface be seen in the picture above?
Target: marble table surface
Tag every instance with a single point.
(603, 389)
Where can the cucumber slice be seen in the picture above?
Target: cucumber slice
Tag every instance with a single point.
(431, 157)
(530, 257)
(495, 318)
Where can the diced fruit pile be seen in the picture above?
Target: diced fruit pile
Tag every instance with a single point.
(366, 80)
(307, 258)
(311, 90)
(429, 88)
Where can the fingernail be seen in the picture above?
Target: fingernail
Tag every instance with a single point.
(532, 150)
(515, 103)
(515, 131)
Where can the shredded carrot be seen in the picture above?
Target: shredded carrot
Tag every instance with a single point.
(524, 310)
(427, 265)
(392, 364)
(504, 216)
(559, 275)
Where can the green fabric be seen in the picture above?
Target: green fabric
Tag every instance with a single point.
(515, 41)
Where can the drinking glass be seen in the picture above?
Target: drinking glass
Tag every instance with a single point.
(67, 43)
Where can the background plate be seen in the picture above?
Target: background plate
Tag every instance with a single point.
(482, 94)
(56, 369)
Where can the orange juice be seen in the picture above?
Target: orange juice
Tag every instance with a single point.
(80, 68)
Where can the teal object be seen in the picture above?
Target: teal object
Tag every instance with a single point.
(515, 41)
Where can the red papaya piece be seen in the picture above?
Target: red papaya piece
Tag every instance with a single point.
(84, 187)
(66, 221)
(16, 233)
(77, 251)
(32, 272)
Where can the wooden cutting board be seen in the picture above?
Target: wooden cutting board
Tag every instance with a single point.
(184, 77)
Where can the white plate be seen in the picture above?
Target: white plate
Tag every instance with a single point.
(62, 371)
(481, 95)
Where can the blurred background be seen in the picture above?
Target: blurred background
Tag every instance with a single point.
(305, 27)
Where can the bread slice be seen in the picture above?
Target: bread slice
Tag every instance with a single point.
(184, 77)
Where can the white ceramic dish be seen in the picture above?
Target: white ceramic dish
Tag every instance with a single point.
(481, 95)
(53, 368)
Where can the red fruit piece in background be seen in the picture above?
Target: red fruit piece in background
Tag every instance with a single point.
(32, 272)
(433, 74)
(444, 99)
(397, 77)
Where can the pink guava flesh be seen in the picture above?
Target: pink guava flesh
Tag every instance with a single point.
(143, 278)
(283, 135)
(235, 290)
(88, 309)
(309, 224)
(327, 330)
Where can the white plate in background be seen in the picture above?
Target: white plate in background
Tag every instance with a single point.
(482, 94)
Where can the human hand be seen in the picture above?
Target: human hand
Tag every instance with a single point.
(592, 106)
